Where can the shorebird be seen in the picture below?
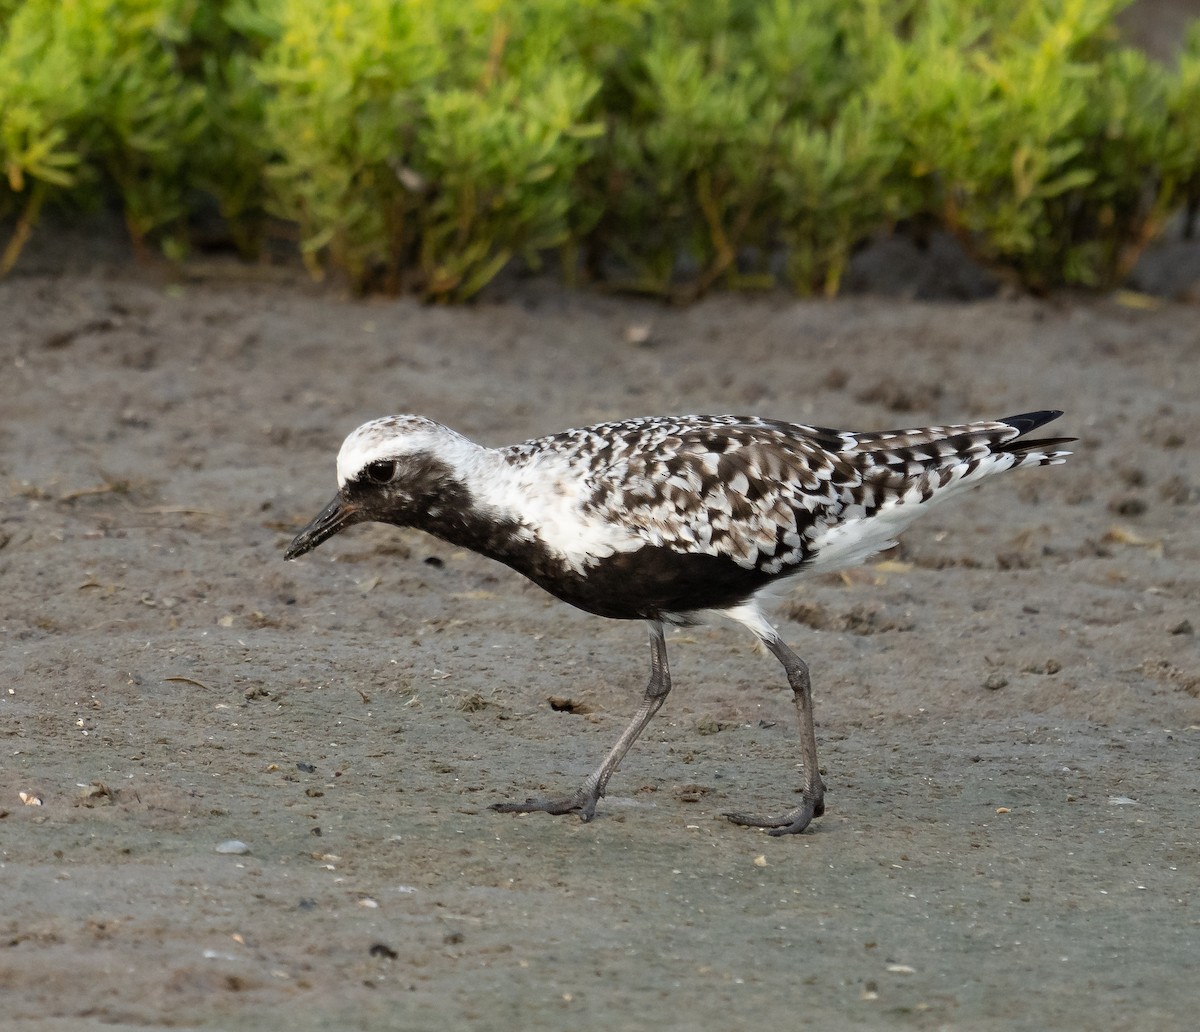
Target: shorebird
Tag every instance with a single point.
(670, 520)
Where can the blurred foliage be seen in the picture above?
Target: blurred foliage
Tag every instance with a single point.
(662, 145)
(424, 144)
(91, 92)
(1035, 138)
(1180, 165)
(746, 135)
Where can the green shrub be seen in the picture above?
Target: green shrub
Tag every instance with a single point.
(689, 182)
(91, 90)
(740, 117)
(423, 145)
(503, 161)
(43, 95)
(1035, 137)
(1181, 163)
(836, 188)
(145, 116)
(341, 115)
(228, 157)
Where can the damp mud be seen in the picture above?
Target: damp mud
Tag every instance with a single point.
(1008, 704)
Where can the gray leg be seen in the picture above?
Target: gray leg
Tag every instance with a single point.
(584, 800)
(813, 794)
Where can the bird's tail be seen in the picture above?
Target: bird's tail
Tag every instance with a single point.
(910, 452)
(900, 467)
(1040, 451)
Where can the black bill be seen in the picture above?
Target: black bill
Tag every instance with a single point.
(337, 515)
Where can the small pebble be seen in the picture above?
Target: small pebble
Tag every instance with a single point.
(638, 334)
(1127, 505)
(234, 846)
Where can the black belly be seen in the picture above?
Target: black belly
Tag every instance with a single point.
(640, 585)
(651, 582)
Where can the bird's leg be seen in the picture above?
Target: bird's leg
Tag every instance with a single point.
(813, 794)
(584, 800)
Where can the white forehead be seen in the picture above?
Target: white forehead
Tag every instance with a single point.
(388, 438)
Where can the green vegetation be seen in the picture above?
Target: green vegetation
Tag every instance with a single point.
(664, 145)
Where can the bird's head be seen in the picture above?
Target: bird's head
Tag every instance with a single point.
(398, 470)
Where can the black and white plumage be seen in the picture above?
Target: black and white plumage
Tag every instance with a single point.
(670, 519)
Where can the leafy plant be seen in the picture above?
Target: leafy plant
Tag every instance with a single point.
(228, 157)
(341, 116)
(836, 187)
(414, 148)
(503, 160)
(744, 121)
(1181, 162)
(89, 90)
(145, 116)
(1034, 135)
(690, 170)
(42, 96)
(425, 145)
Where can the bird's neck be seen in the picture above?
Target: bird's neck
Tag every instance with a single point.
(476, 504)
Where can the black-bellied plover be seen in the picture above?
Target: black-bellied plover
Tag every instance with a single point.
(669, 520)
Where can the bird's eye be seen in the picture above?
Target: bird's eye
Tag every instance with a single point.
(382, 472)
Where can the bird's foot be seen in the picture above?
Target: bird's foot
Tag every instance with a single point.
(581, 802)
(791, 823)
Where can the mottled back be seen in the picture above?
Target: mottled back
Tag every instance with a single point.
(764, 493)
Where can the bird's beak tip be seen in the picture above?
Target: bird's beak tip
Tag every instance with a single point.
(336, 516)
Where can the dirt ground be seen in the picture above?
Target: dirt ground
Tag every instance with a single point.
(1008, 704)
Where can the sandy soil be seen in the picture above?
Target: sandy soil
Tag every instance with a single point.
(1008, 705)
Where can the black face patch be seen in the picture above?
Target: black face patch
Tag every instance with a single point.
(409, 491)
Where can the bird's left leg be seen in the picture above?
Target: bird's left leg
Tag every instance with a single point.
(813, 794)
(584, 800)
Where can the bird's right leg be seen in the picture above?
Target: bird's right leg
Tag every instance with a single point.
(812, 795)
(588, 795)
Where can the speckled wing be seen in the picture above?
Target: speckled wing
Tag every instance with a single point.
(747, 489)
(772, 496)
